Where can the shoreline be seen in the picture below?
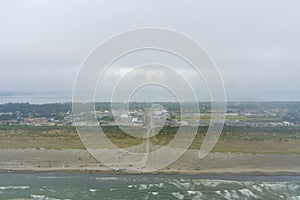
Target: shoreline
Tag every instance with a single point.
(165, 173)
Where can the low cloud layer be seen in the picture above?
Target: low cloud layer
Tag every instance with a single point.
(255, 44)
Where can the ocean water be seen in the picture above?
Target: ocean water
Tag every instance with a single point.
(96, 186)
(36, 98)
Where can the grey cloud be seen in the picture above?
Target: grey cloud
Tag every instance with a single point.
(255, 44)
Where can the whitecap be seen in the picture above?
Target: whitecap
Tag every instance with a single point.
(227, 195)
(248, 193)
(160, 185)
(177, 185)
(275, 186)
(54, 177)
(142, 187)
(295, 198)
(180, 185)
(219, 193)
(38, 197)
(196, 194)
(208, 183)
(234, 194)
(14, 187)
(107, 178)
(257, 187)
(293, 187)
(178, 195)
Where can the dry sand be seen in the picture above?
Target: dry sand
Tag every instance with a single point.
(80, 161)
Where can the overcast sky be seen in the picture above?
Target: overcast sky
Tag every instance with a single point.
(255, 44)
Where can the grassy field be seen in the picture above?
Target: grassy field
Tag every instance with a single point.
(207, 118)
(233, 139)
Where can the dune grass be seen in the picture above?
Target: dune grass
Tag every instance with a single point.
(233, 139)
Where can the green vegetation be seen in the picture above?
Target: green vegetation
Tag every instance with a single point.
(107, 118)
(233, 139)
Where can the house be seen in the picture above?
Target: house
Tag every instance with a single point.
(286, 123)
(183, 123)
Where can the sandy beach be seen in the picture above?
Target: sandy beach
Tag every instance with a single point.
(80, 161)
